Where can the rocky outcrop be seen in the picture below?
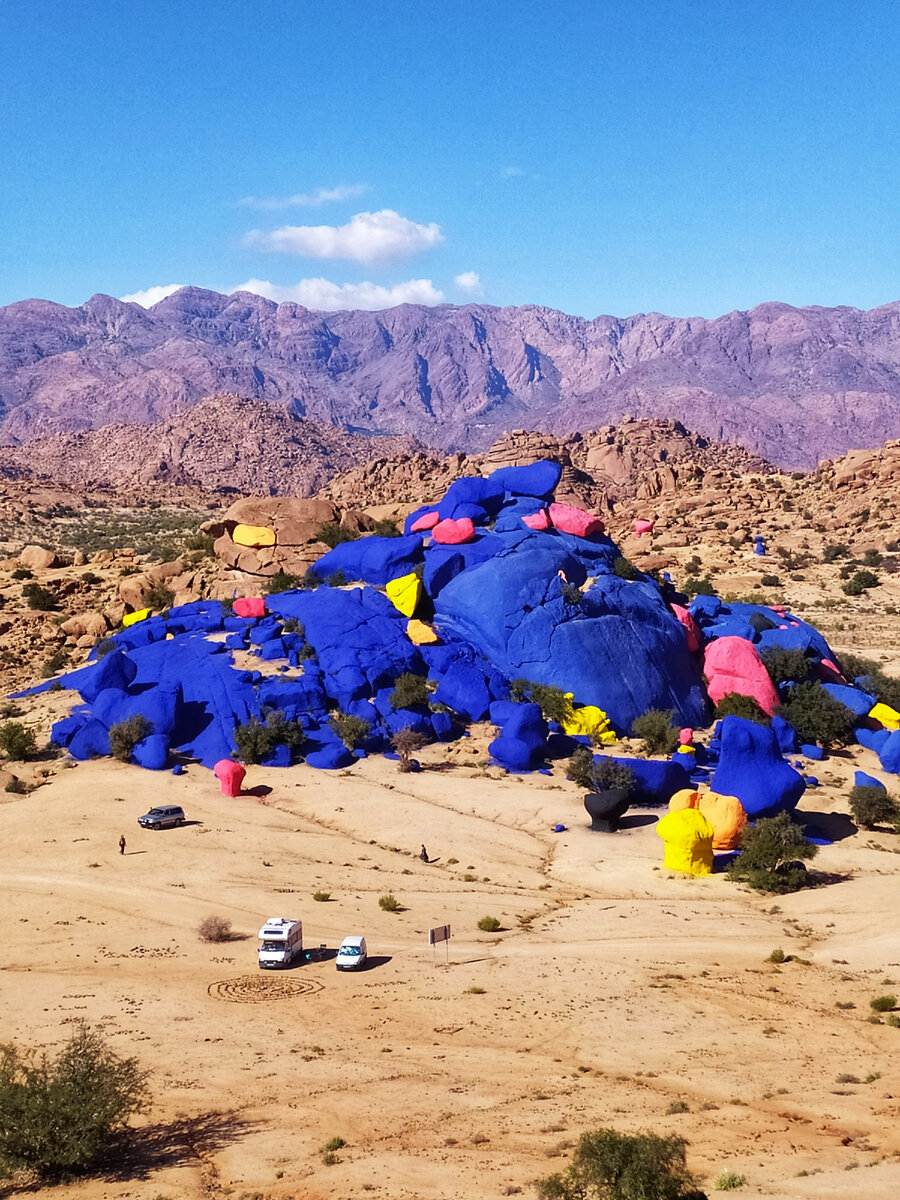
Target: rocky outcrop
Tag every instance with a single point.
(793, 384)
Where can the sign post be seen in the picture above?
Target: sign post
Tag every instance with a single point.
(441, 933)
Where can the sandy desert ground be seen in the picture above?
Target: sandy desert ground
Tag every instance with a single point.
(614, 993)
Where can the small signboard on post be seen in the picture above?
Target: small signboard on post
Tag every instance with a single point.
(441, 933)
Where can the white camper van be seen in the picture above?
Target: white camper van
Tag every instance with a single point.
(280, 942)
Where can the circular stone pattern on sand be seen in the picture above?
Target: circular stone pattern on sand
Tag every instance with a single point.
(256, 989)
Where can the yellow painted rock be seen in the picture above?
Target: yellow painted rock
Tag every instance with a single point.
(133, 618)
(688, 836)
(885, 715)
(686, 798)
(253, 535)
(405, 593)
(727, 816)
(588, 721)
(421, 634)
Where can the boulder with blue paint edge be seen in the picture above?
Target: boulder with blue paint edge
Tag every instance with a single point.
(442, 724)
(152, 752)
(114, 670)
(463, 689)
(786, 735)
(752, 768)
(278, 756)
(487, 495)
(538, 479)
(414, 516)
(409, 718)
(333, 757)
(372, 559)
(655, 782)
(889, 754)
(512, 753)
(858, 701)
(861, 779)
(91, 741)
(872, 739)
(62, 732)
(813, 751)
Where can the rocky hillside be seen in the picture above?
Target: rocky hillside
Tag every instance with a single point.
(794, 385)
(225, 442)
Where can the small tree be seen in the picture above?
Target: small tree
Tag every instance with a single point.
(871, 806)
(40, 598)
(16, 741)
(125, 735)
(625, 568)
(410, 691)
(386, 528)
(735, 704)
(351, 730)
(817, 716)
(332, 534)
(159, 597)
(552, 701)
(282, 581)
(215, 929)
(657, 729)
(608, 1165)
(772, 856)
(253, 741)
(406, 742)
(607, 775)
(785, 666)
(57, 1114)
(581, 767)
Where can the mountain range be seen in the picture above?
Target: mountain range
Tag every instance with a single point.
(792, 384)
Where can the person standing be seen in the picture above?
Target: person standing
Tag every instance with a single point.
(423, 853)
(122, 844)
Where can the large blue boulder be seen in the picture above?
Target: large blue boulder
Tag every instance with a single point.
(463, 688)
(483, 494)
(751, 767)
(114, 670)
(655, 782)
(91, 741)
(372, 559)
(535, 479)
(152, 752)
(889, 754)
(858, 701)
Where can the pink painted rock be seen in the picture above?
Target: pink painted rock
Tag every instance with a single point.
(686, 736)
(732, 664)
(539, 520)
(250, 606)
(426, 521)
(453, 533)
(569, 519)
(230, 775)
(642, 526)
(829, 672)
(691, 628)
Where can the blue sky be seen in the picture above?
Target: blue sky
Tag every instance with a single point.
(672, 156)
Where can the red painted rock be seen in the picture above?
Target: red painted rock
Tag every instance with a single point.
(250, 606)
(732, 664)
(539, 520)
(230, 775)
(569, 519)
(691, 628)
(452, 533)
(426, 521)
(641, 527)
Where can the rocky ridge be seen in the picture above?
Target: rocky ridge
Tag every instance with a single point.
(793, 384)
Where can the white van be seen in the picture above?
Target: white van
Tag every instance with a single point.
(352, 954)
(280, 942)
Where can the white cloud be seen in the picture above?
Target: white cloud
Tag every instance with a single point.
(469, 281)
(368, 237)
(512, 172)
(324, 296)
(306, 199)
(151, 295)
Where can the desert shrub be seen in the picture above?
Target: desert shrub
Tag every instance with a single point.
(608, 1165)
(581, 767)
(22, 573)
(872, 678)
(332, 534)
(410, 691)
(785, 666)
(406, 742)
(551, 700)
(833, 551)
(871, 806)
(40, 598)
(817, 716)
(282, 581)
(489, 925)
(54, 663)
(17, 787)
(390, 903)
(883, 1003)
(351, 730)
(860, 582)
(214, 929)
(104, 647)
(625, 569)
(57, 1114)
(292, 625)
(284, 732)
(386, 528)
(734, 704)
(321, 897)
(609, 775)
(125, 735)
(720, 525)
(693, 565)
(200, 543)
(518, 690)
(772, 856)
(16, 741)
(91, 579)
(872, 558)
(337, 579)
(159, 597)
(253, 741)
(728, 1181)
(694, 586)
(655, 727)
(770, 581)
(572, 593)
(335, 1143)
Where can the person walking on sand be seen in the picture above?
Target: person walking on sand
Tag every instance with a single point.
(423, 853)
(122, 844)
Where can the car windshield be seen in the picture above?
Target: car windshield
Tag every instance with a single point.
(272, 946)
(350, 951)
(156, 812)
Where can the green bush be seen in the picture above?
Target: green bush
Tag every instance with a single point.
(332, 534)
(694, 586)
(770, 581)
(785, 666)
(734, 704)
(410, 691)
(351, 730)
(607, 775)
(200, 543)
(22, 573)
(125, 735)
(834, 551)
(159, 598)
(871, 806)
(406, 742)
(872, 558)
(872, 678)
(817, 716)
(390, 903)
(256, 740)
(859, 583)
(91, 579)
(386, 528)
(655, 727)
(581, 767)
(489, 925)
(282, 581)
(625, 569)
(551, 700)
(883, 1003)
(105, 646)
(16, 741)
(39, 598)
(608, 1165)
(772, 856)
(54, 663)
(57, 1114)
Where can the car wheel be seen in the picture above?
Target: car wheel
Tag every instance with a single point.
(180, 822)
